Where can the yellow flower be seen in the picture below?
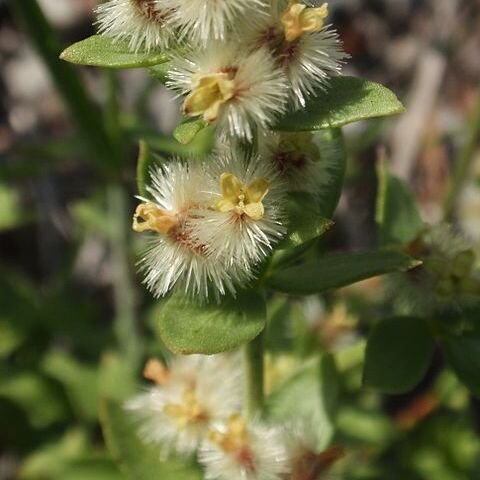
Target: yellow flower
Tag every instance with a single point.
(242, 199)
(154, 219)
(298, 19)
(208, 95)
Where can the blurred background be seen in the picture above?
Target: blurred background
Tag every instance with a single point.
(75, 323)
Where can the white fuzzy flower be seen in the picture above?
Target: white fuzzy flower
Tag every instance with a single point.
(246, 220)
(189, 397)
(176, 256)
(297, 158)
(142, 23)
(243, 451)
(205, 20)
(235, 90)
(308, 51)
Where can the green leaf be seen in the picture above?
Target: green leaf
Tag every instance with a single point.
(463, 355)
(79, 380)
(397, 215)
(102, 51)
(187, 130)
(347, 100)
(37, 395)
(335, 271)
(116, 378)
(50, 459)
(304, 220)
(160, 71)
(334, 153)
(399, 352)
(188, 327)
(138, 460)
(310, 395)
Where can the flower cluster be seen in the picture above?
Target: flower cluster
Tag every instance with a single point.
(242, 64)
(238, 65)
(194, 407)
(446, 278)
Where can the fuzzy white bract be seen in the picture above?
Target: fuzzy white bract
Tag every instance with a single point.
(189, 397)
(247, 218)
(307, 50)
(238, 92)
(142, 23)
(205, 20)
(176, 257)
(238, 450)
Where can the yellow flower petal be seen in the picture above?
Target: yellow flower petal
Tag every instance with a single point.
(210, 92)
(231, 187)
(298, 19)
(154, 219)
(255, 211)
(256, 190)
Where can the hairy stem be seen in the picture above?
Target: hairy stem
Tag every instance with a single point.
(462, 163)
(254, 373)
(123, 289)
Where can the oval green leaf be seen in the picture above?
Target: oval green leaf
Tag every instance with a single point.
(397, 216)
(136, 459)
(335, 271)
(310, 395)
(188, 327)
(102, 51)
(346, 100)
(463, 355)
(399, 352)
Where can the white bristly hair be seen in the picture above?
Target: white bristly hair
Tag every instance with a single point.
(180, 260)
(259, 92)
(254, 453)
(241, 240)
(308, 61)
(204, 20)
(141, 23)
(197, 392)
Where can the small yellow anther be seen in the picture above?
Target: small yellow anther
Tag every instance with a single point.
(154, 219)
(208, 95)
(189, 411)
(234, 439)
(298, 19)
(242, 199)
(156, 371)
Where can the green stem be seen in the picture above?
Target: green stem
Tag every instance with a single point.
(254, 372)
(123, 289)
(462, 163)
(84, 112)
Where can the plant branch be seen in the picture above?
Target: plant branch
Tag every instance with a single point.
(254, 376)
